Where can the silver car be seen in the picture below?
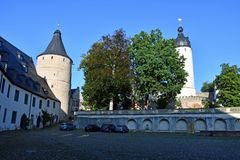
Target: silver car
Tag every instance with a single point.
(66, 126)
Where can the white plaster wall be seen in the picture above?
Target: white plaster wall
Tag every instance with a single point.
(20, 107)
(189, 88)
(57, 71)
(11, 105)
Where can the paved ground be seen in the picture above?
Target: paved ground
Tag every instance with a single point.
(52, 144)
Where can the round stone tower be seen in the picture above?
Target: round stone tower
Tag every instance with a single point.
(184, 48)
(56, 66)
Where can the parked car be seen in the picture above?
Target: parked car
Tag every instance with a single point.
(66, 126)
(108, 128)
(121, 129)
(92, 128)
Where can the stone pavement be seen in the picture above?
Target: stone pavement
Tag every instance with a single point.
(52, 144)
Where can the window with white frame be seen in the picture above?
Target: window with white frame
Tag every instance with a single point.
(14, 117)
(40, 104)
(26, 99)
(3, 85)
(16, 96)
(8, 92)
(33, 101)
(4, 115)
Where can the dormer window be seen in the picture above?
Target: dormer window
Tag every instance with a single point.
(45, 91)
(19, 55)
(25, 67)
(36, 86)
(21, 78)
(29, 82)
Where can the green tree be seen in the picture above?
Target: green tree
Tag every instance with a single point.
(209, 102)
(46, 117)
(207, 87)
(157, 66)
(228, 86)
(107, 71)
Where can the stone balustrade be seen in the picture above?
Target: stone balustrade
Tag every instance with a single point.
(165, 120)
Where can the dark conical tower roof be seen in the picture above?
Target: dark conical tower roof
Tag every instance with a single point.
(181, 40)
(56, 46)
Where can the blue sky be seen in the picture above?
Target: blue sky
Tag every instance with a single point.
(212, 26)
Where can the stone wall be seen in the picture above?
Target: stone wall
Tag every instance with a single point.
(184, 120)
(193, 101)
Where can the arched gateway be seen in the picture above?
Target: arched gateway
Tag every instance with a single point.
(24, 122)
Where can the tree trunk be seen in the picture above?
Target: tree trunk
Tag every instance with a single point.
(111, 105)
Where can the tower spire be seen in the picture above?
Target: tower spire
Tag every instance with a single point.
(181, 40)
(180, 22)
(58, 26)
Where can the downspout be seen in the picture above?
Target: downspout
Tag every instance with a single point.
(29, 114)
(1, 81)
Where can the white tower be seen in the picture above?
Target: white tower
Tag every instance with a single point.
(184, 48)
(56, 66)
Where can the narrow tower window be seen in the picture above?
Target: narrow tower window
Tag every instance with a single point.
(52, 57)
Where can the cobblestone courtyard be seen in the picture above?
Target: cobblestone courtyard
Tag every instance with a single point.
(52, 144)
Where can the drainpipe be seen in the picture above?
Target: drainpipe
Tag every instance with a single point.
(1, 81)
(30, 106)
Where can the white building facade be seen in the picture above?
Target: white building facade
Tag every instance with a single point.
(23, 94)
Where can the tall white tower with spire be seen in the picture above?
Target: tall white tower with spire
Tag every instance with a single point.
(184, 48)
(56, 67)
